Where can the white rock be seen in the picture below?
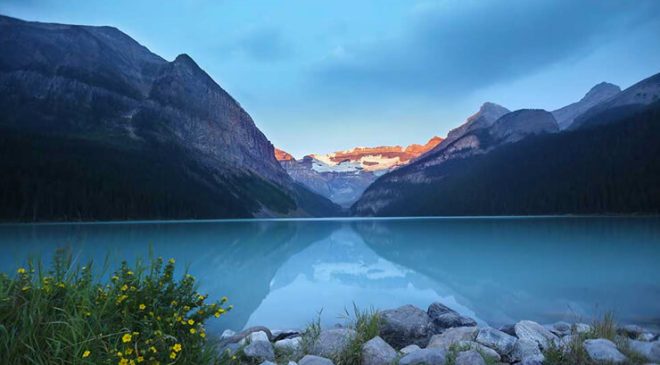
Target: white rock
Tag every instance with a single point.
(378, 352)
(603, 350)
(289, 344)
(425, 356)
(452, 336)
(254, 337)
(496, 339)
(227, 334)
(410, 348)
(650, 350)
(314, 360)
(527, 351)
(533, 331)
(470, 357)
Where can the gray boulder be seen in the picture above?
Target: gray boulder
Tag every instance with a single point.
(314, 360)
(527, 352)
(226, 334)
(487, 352)
(410, 348)
(291, 346)
(260, 350)
(332, 341)
(377, 352)
(444, 317)
(452, 336)
(470, 357)
(404, 326)
(496, 339)
(603, 350)
(559, 328)
(650, 350)
(531, 330)
(254, 337)
(425, 356)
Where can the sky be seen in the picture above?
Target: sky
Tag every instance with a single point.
(320, 76)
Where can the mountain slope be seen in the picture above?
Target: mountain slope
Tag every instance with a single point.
(610, 169)
(120, 133)
(511, 127)
(635, 98)
(598, 94)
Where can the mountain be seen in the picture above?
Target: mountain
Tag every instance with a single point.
(522, 165)
(487, 114)
(479, 135)
(343, 176)
(283, 155)
(598, 94)
(633, 99)
(98, 127)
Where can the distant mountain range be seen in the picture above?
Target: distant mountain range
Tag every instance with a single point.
(343, 176)
(605, 162)
(95, 126)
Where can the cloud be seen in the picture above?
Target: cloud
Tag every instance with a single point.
(456, 47)
(263, 44)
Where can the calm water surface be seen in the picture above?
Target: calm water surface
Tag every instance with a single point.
(281, 273)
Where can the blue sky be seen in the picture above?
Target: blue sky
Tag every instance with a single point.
(319, 76)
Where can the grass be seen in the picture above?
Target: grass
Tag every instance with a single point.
(65, 315)
(366, 324)
(456, 348)
(575, 354)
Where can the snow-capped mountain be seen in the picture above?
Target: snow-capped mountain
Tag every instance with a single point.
(342, 176)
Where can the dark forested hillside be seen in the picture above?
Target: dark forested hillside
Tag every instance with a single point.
(95, 126)
(613, 168)
(66, 178)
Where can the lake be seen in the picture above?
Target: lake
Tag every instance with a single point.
(282, 273)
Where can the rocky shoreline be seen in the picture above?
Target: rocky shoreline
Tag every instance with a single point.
(409, 335)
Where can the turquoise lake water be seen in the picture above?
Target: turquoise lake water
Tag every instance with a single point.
(281, 273)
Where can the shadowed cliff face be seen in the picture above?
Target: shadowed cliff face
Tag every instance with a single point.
(98, 88)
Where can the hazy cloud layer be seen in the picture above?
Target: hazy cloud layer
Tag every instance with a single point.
(454, 47)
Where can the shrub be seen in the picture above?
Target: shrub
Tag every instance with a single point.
(141, 316)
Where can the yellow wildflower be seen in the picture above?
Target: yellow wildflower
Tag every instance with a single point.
(124, 287)
(126, 338)
(171, 261)
(115, 277)
(193, 331)
(173, 355)
(191, 322)
(143, 307)
(129, 272)
(86, 354)
(61, 285)
(202, 335)
(217, 314)
(129, 351)
(140, 358)
(21, 270)
(123, 362)
(176, 347)
(153, 349)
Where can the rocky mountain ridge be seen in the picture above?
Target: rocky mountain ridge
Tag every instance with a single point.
(520, 150)
(97, 89)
